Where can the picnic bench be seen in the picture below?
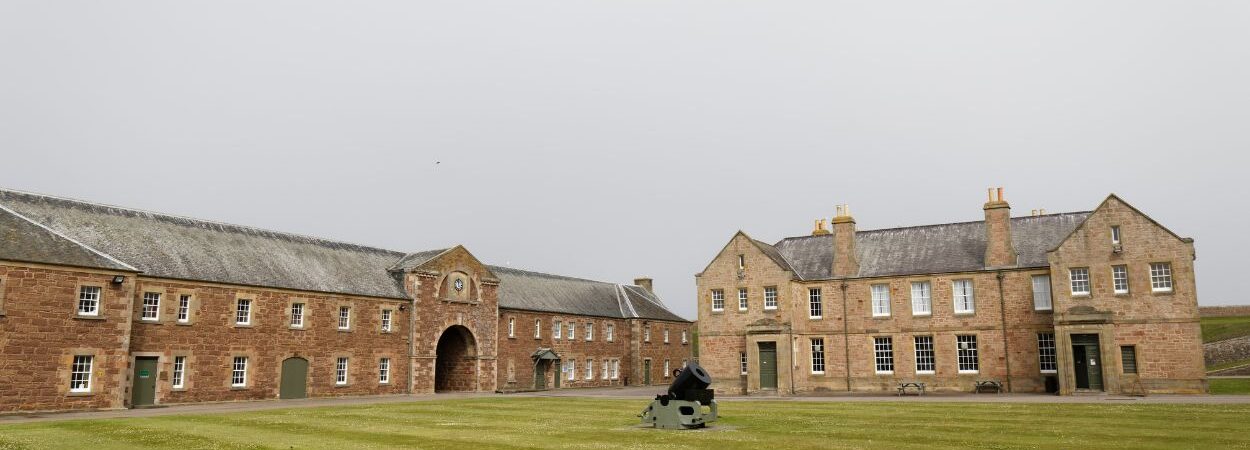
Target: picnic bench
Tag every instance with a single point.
(987, 385)
(903, 387)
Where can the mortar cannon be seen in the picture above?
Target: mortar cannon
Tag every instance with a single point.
(682, 407)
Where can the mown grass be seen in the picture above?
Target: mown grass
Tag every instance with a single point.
(1220, 328)
(1228, 365)
(1238, 386)
(597, 423)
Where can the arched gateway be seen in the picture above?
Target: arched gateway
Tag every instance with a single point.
(455, 366)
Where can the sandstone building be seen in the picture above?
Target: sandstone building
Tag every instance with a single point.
(108, 307)
(1099, 301)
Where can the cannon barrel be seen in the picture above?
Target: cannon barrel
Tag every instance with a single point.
(692, 377)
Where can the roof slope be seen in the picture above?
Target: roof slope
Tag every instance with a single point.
(952, 247)
(24, 240)
(535, 291)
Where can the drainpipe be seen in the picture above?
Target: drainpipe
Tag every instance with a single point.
(1002, 309)
(794, 353)
(846, 337)
(412, 330)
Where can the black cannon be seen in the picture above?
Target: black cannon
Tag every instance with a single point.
(682, 406)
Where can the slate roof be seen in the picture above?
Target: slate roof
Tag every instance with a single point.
(944, 248)
(53, 230)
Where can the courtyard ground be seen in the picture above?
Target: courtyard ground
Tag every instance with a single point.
(588, 422)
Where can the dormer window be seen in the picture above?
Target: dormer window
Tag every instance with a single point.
(1115, 235)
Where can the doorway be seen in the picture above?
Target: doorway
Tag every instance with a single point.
(768, 365)
(143, 391)
(646, 372)
(455, 366)
(294, 382)
(540, 374)
(1087, 362)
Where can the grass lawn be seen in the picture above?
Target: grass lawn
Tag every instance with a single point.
(598, 423)
(1218, 328)
(1229, 386)
(1228, 365)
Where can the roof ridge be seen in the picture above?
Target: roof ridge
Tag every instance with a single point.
(204, 221)
(535, 272)
(911, 227)
(70, 239)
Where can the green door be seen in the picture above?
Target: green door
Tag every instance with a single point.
(1087, 361)
(540, 374)
(768, 365)
(143, 392)
(294, 378)
(646, 372)
(558, 373)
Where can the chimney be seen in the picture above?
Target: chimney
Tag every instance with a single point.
(998, 249)
(645, 283)
(845, 262)
(820, 229)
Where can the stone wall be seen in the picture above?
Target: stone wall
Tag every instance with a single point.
(517, 367)
(1224, 311)
(1227, 350)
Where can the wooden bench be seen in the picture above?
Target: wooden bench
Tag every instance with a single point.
(903, 387)
(987, 385)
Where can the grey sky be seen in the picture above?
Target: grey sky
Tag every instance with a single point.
(609, 139)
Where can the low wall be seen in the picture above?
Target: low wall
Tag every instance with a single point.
(1224, 311)
(1227, 350)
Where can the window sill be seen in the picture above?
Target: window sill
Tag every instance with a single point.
(183, 324)
(889, 372)
(1047, 310)
(295, 328)
(1082, 295)
(876, 317)
(242, 325)
(238, 388)
(965, 314)
(969, 372)
(337, 386)
(925, 372)
(1161, 293)
(815, 318)
(770, 309)
(80, 394)
(344, 330)
(1121, 294)
(149, 322)
(81, 317)
(922, 316)
(1049, 372)
(718, 311)
(818, 373)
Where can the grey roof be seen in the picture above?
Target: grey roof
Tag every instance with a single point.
(415, 259)
(944, 248)
(24, 240)
(535, 291)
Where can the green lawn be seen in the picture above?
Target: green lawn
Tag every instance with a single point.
(1228, 365)
(1218, 328)
(592, 423)
(1229, 386)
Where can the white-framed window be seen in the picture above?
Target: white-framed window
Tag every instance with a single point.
(538, 328)
(590, 369)
(921, 298)
(666, 335)
(243, 312)
(151, 306)
(345, 317)
(386, 320)
(818, 356)
(384, 371)
(742, 362)
(925, 361)
(1046, 352)
(238, 372)
(557, 329)
(742, 299)
(80, 373)
(297, 315)
(572, 330)
(590, 331)
(179, 376)
(1079, 277)
(1115, 234)
(770, 297)
(883, 354)
(1161, 277)
(616, 369)
(1041, 293)
(684, 340)
(1119, 279)
(607, 369)
(184, 308)
(961, 290)
(667, 370)
(880, 300)
(511, 327)
(646, 333)
(718, 300)
(89, 301)
(611, 332)
(571, 368)
(340, 371)
(966, 345)
(815, 309)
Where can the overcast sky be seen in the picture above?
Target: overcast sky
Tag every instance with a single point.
(612, 139)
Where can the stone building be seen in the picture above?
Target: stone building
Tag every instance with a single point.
(1099, 301)
(109, 307)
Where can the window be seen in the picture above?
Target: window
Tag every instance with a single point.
(80, 373)
(151, 306)
(921, 298)
(742, 262)
(818, 355)
(1119, 279)
(611, 332)
(571, 368)
(683, 337)
(184, 308)
(538, 328)
(718, 300)
(590, 369)
(243, 312)
(1115, 234)
(180, 372)
(1041, 293)
(89, 301)
(883, 351)
(590, 331)
(238, 376)
(925, 362)
(384, 370)
(770, 297)
(607, 369)
(616, 369)
(962, 291)
(1080, 280)
(345, 317)
(646, 334)
(880, 300)
(572, 330)
(815, 310)
(665, 335)
(511, 327)
(340, 371)
(967, 352)
(1128, 358)
(742, 299)
(297, 315)
(1046, 352)
(1160, 277)
(666, 369)
(386, 320)
(557, 330)
(742, 362)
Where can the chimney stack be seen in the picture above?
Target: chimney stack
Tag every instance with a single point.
(845, 261)
(998, 249)
(820, 229)
(644, 283)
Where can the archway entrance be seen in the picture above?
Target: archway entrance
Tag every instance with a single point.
(455, 367)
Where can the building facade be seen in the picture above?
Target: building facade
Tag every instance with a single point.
(109, 307)
(1098, 301)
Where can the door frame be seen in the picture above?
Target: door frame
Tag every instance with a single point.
(646, 371)
(760, 366)
(161, 360)
(307, 374)
(1085, 342)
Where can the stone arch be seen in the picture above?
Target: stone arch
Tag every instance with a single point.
(455, 367)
